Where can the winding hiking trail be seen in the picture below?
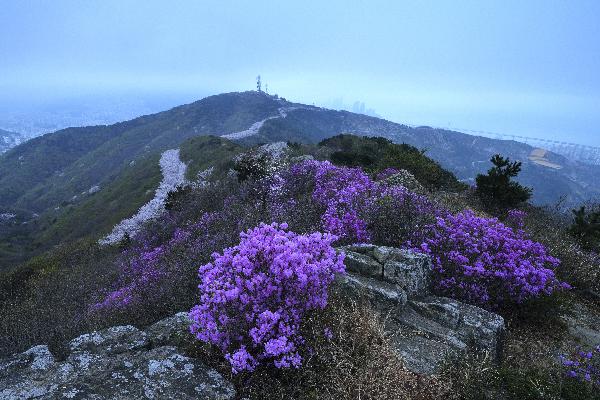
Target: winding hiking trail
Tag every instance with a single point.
(255, 127)
(173, 171)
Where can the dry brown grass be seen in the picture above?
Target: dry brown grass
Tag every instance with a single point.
(46, 300)
(359, 362)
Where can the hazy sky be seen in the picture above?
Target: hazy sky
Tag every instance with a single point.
(525, 67)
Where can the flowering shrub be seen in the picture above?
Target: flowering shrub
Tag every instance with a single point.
(253, 297)
(487, 263)
(583, 366)
(386, 173)
(356, 208)
(153, 270)
(397, 216)
(343, 192)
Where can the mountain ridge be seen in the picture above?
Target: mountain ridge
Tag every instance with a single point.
(102, 151)
(47, 180)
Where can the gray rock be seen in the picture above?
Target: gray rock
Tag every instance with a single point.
(480, 329)
(409, 270)
(381, 294)
(117, 339)
(115, 363)
(173, 330)
(384, 253)
(363, 264)
(427, 329)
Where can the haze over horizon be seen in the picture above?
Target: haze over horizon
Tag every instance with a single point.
(525, 68)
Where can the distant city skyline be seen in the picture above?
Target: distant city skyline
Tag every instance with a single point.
(524, 68)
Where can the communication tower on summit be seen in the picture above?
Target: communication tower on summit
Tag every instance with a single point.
(258, 88)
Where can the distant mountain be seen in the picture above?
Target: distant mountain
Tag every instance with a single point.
(552, 176)
(50, 169)
(9, 140)
(80, 180)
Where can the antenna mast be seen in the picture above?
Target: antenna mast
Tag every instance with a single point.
(258, 83)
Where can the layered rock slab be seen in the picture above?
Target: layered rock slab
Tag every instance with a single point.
(427, 329)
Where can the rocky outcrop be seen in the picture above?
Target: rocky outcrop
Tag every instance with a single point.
(121, 362)
(427, 329)
(406, 179)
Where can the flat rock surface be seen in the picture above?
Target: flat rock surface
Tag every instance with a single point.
(121, 362)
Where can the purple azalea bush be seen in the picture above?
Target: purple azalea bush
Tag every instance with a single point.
(254, 296)
(343, 193)
(583, 366)
(397, 216)
(155, 269)
(484, 262)
(355, 207)
(386, 173)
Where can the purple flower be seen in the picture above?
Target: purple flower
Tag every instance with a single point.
(583, 366)
(254, 296)
(386, 173)
(356, 208)
(485, 262)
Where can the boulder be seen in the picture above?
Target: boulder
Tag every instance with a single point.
(363, 264)
(172, 330)
(479, 329)
(426, 329)
(115, 340)
(409, 270)
(121, 362)
(381, 294)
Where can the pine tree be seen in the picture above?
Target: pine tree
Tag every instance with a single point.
(497, 189)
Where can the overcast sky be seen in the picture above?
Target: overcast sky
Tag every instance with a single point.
(525, 67)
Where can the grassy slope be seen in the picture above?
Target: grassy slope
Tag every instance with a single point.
(202, 152)
(98, 213)
(94, 215)
(48, 170)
